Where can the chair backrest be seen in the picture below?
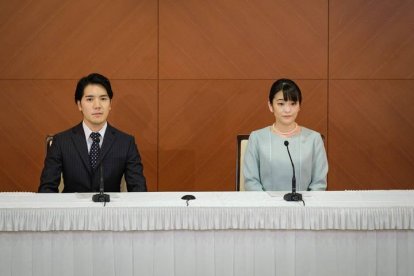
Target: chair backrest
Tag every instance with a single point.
(242, 141)
(49, 141)
(123, 185)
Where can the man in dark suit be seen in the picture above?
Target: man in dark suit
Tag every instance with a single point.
(80, 153)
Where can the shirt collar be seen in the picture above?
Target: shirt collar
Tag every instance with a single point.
(88, 131)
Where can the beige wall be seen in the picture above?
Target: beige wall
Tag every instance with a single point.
(190, 75)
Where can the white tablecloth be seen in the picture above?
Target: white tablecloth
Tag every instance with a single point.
(375, 210)
(226, 233)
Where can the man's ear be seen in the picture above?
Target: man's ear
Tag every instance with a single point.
(78, 103)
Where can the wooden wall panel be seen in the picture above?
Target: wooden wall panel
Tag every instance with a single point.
(199, 122)
(191, 75)
(30, 110)
(371, 39)
(370, 60)
(50, 39)
(235, 39)
(371, 134)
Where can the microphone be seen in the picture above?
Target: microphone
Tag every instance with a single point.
(101, 197)
(188, 198)
(293, 196)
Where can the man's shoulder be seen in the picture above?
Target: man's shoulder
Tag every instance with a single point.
(78, 129)
(69, 132)
(119, 133)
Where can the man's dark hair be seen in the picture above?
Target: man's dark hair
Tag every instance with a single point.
(93, 78)
(289, 88)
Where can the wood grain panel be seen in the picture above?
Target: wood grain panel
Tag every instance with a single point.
(235, 39)
(199, 121)
(28, 111)
(185, 51)
(49, 39)
(31, 109)
(371, 134)
(371, 39)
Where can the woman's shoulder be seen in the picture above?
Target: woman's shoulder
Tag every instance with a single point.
(260, 132)
(309, 133)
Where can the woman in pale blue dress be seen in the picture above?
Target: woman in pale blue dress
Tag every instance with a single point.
(267, 166)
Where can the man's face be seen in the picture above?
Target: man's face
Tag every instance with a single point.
(95, 106)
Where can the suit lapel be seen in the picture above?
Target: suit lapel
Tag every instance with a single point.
(79, 141)
(108, 141)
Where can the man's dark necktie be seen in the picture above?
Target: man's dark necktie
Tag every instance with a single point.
(94, 151)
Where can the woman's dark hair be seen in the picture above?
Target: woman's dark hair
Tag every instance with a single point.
(93, 78)
(290, 89)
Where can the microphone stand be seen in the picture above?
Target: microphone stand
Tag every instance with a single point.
(101, 197)
(293, 196)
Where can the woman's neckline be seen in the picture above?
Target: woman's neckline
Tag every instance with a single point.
(289, 136)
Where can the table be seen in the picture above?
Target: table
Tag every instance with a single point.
(219, 233)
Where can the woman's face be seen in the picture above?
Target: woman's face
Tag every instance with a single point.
(285, 112)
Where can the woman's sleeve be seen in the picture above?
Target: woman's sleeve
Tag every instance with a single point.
(252, 166)
(319, 166)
